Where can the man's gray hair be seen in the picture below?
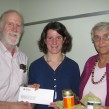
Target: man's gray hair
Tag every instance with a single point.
(7, 12)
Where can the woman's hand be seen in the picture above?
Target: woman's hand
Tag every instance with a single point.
(53, 104)
(104, 107)
(36, 86)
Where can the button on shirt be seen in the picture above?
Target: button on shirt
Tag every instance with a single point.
(11, 76)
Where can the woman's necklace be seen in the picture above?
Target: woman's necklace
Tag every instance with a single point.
(101, 79)
(60, 60)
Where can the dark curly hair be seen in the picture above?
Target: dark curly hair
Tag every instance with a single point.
(61, 29)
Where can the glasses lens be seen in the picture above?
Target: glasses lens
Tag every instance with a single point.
(106, 37)
(96, 38)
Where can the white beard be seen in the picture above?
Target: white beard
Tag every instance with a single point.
(7, 40)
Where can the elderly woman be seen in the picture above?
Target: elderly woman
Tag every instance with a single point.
(95, 76)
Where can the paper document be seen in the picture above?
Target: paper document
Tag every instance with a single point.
(39, 96)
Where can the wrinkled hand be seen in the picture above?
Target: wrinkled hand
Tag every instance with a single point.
(104, 107)
(53, 105)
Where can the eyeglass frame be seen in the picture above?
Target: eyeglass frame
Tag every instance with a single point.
(105, 37)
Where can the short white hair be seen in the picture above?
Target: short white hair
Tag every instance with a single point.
(7, 12)
(101, 26)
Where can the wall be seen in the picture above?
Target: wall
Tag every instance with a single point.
(9, 4)
(79, 28)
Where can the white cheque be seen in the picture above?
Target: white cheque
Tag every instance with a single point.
(40, 96)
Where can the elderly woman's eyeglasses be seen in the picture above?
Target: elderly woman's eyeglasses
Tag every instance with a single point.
(98, 38)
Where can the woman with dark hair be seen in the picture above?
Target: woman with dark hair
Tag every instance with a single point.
(54, 70)
(59, 28)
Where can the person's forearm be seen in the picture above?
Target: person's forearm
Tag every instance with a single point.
(5, 105)
(15, 105)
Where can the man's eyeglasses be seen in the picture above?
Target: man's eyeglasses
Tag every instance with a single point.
(98, 38)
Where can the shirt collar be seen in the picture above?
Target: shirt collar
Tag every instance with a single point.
(3, 49)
